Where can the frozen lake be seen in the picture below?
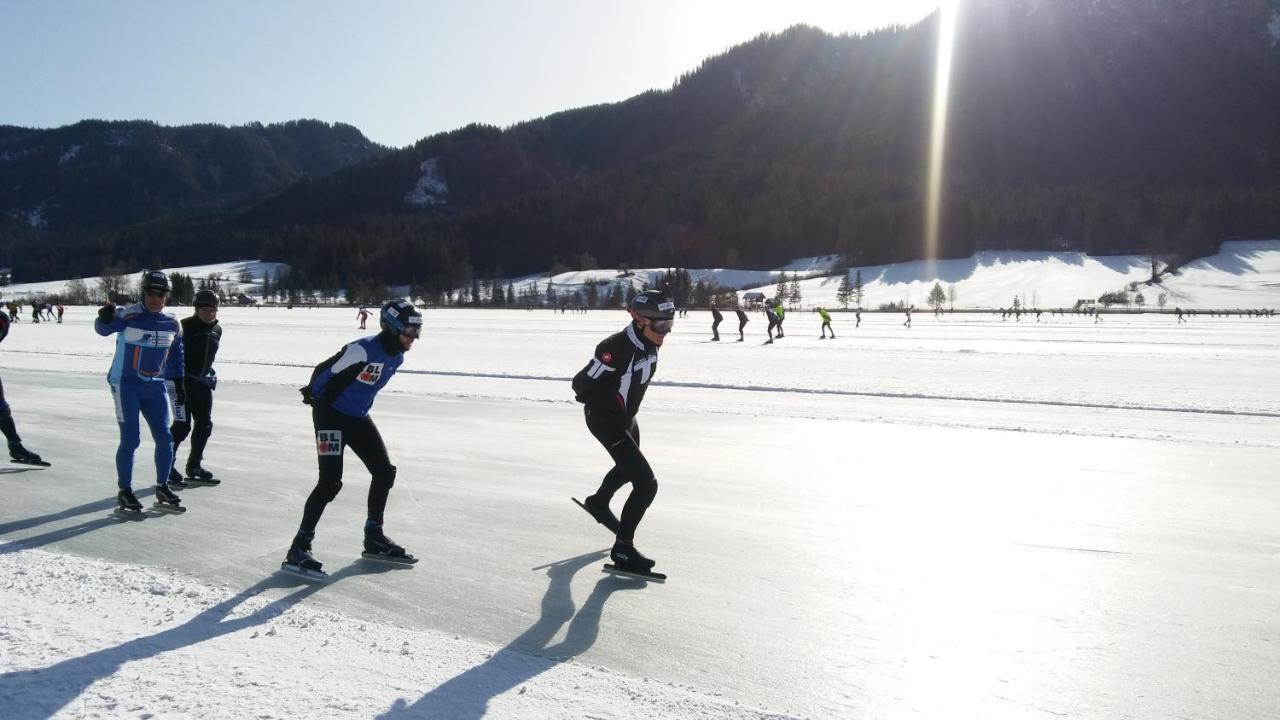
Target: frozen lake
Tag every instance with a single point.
(966, 518)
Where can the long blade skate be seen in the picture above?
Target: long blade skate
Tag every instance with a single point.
(163, 507)
(640, 574)
(405, 559)
(37, 463)
(304, 573)
(128, 514)
(605, 517)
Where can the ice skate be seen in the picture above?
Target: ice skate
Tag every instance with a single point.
(167, 500)
(383, 549)
(24, 456)
(627, 560)
(175, 480)
(298, 561)
(600, 511)
(197, 475)
(127, 504)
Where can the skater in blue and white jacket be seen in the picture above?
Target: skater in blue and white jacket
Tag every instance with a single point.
(148, 354)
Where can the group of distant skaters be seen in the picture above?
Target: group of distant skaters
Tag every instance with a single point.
(47, 311)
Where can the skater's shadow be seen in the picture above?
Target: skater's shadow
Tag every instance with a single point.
(14, 471)
(42, 692)
(467, 696)
(54, 536)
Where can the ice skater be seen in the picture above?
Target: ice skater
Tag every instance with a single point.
(363, 316)
(201, 335)
(148, 355)
(716, 319)
(907, 323)
(17, 452)
(771, 315)
(341, 392)
(611, 388)
(742, 322)
(826, 323)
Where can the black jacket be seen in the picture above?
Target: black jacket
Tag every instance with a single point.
(614, 381)
(200, 346)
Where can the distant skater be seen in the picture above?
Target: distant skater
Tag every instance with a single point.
(742, 322)
(782, 315)
(363, 315)
(857, 318)
(716, 319)
(826, 323)
(908, 320)
(771, 315)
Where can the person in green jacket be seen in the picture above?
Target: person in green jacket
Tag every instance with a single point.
(826, 323)
(782, 314)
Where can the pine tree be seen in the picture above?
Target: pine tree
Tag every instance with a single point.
(857, 288)
(845, 292)
(793, 294)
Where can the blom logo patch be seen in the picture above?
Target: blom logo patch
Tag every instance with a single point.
(329, 442)
(371, 374)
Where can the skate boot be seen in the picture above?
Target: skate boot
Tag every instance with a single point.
(168, 500)
(175, 480)
(128, 503)
(600, 511)
(200, 476)
(382, 548)
(299, 561)
(627, 560)
(24, 456)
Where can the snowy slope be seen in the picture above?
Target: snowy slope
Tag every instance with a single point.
(230, 272)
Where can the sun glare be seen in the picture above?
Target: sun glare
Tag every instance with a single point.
(947, 12)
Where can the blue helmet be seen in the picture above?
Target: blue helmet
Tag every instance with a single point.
(400, 317)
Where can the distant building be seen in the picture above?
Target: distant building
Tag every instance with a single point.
(753, 299)
(244, 300)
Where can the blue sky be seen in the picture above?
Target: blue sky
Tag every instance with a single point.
(399, 71)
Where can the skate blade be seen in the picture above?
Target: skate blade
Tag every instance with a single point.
(390, 559)
(197, 481)
(122, 514)
(171, 509)
(311, 575)
(32, 463)
(651, 576)
(611, 525)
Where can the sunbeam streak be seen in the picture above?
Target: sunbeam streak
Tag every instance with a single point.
(947, 12)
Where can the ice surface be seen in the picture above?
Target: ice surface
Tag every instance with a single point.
(967, 518)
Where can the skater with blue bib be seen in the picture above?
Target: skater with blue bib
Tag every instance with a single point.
(341, 392)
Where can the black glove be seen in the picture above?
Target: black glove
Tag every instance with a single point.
(107, 313)
(306, 394)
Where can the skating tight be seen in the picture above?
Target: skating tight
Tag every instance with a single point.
(334, 433)
(200, 409)
(152, 400)
(621, 439)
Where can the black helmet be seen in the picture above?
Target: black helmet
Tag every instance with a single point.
(653, 304)
(206, 298)
(154, 281)
(400, 317)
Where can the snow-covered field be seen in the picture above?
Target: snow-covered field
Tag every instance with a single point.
(965, 519)
(1244, 275)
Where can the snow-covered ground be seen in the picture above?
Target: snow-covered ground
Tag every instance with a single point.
(1244, 274)
(966, 519)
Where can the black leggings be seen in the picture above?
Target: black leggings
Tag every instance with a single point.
(621, 439)
(199, 408)
(6, 420)
(334, 433)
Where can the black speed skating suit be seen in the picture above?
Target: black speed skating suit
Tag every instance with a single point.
(200, 347)
(611, 387)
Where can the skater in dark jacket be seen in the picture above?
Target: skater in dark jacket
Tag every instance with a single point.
(742, 323)
(716, 319)
(17, 452)
(341, 391)
(201, 335)
(771, 315)
(611, 388)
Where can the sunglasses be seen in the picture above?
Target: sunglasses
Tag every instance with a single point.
(156, 293)
(662, 327)
(413, 330)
